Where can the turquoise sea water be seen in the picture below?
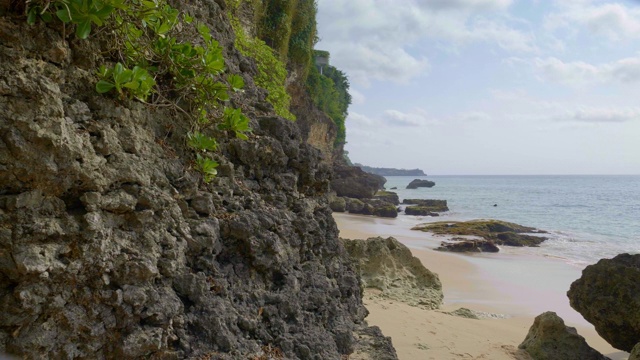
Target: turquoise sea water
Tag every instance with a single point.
(588, 217)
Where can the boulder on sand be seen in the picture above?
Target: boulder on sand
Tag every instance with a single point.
(388, 266)
(420, 211)
(351, 181)
(608, 296)
(420, 183)
(388, 196)
(550, 339)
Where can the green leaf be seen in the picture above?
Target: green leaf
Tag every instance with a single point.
(103, 86)
(236, 82)
(84, 29)
(64, 15)
(199, 141)
(47, 17)
(32, 15)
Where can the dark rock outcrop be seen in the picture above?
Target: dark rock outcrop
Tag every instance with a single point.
(388, 196)
(420, 211)
(428, 204)
(608, 296)
(465, 245)
(550, 339)
(500, 232)
(389, 266)
(351, 181)
(112, 247)
(420, 183)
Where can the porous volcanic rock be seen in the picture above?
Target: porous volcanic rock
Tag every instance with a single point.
(388, 266)
(351, 181)
(550, 339)
(500, 232)
(608, 296)
(113, 247)
(465, 245)
(414, 184)
(430, 204)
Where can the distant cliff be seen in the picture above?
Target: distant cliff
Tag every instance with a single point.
(391, 171)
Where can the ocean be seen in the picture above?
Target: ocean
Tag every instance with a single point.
(587, 217)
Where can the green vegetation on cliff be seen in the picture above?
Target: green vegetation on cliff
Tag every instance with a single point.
(330, 92)
(162, 54)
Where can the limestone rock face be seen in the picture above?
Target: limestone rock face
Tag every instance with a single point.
(608, 296)
(112, 246)
(351, 181)
(388, 266)
(428, 204)
(550, 339)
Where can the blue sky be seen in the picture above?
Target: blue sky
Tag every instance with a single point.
(489, 86)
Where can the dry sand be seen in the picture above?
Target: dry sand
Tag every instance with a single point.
(518, 287)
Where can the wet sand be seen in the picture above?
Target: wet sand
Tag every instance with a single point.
(518, 286)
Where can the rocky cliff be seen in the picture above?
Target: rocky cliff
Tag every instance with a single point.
(112, 246)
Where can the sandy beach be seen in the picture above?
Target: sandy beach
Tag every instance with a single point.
(517, 287)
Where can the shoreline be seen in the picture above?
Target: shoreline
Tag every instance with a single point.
(516, 285)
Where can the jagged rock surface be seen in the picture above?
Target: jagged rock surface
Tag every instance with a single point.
(608, 296)
(112, 247)
(550, 339)
(635, 353)
(388, 266)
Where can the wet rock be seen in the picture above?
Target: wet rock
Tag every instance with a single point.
(464, 245)
(550, 339)
(608, 296)
(420, 211)
(428, 204)
(388, 266)
(414, 184)
(499, 232)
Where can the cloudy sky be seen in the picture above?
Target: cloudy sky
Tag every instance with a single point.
(490, 86)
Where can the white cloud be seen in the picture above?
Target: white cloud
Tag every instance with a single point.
(382, 40)
(358, 119)
(602, 115)
(357, 98)
(398, 118)
(613, 20)
(578, 73)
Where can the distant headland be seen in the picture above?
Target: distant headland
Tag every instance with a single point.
(391, 171)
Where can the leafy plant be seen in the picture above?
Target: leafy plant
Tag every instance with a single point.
(137, 81)
(199, 141)
(82, 13)
(161, 54)
(234, 120)
(272, 73)
(207, 167)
